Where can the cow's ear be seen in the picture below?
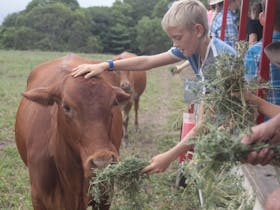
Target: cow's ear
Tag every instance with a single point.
(121, 96)
(43, 96)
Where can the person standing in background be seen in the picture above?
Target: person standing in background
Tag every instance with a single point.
(254, 27)
(252, 58)
(231, 31)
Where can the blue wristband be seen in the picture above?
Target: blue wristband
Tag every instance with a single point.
(111, 65)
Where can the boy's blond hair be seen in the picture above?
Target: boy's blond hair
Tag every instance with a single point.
(185, 14)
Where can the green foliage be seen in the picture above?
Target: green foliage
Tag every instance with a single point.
(14, 176)
(93, 45)
(160, 8)
(73, 4)
(21, 37)
(127, 178)
(61, 25)
(150, 36)
(141, 8)
(100, 23)
(219, 186)
(119, 39)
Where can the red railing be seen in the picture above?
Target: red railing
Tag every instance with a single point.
(224, 21)
(267, 36)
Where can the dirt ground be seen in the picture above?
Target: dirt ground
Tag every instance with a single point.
(154, 117)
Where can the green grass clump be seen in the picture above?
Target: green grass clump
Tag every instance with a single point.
(125, 178)
(14, 181)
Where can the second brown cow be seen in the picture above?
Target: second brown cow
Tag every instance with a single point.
(134, 83)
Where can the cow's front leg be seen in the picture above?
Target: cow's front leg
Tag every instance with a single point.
(36, 201)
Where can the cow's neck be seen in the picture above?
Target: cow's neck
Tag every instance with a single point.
(69, 169)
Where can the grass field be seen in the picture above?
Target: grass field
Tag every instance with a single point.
(161, 107)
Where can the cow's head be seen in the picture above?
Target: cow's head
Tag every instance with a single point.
(125, 81)
(84, 110)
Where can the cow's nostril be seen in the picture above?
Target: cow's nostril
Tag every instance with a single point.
(91, 164)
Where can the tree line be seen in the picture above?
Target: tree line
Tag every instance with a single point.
(62, 25)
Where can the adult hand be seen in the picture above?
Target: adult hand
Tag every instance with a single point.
(268, 132)
(263, 157)
(89, 70)
(159, 164)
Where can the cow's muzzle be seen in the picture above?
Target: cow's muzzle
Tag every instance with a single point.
(126, 87)
(100, 160)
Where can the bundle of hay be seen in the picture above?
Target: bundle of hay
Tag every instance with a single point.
(214, 169)
(124, 178)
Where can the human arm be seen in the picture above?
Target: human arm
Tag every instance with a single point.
(135, 63)
(268, 109)
(253, 38)
(161, 162)
(268, 132)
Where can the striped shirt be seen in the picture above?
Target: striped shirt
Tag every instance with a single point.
(231, 31)
(252, 63)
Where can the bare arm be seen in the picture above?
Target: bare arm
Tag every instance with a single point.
(268, 132)
(268, 109)
(161, 162)
(252, 39)
(134, 63)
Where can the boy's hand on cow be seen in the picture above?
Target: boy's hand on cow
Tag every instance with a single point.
(89, 70)
(159, 164)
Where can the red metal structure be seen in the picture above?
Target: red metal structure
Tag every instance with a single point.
(224, 21)
(267, 38)
(267, 32)
(243, 20)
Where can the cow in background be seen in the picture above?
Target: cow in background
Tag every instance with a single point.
(65, 128)
(134, 83)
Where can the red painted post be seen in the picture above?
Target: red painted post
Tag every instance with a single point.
(243, 20)
(224, 21)
(267, 38)
(188, 125)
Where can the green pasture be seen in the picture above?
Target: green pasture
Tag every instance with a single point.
(161, 107)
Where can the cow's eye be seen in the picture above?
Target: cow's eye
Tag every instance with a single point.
(66, 108)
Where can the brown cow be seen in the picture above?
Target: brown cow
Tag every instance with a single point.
(65, 128)
(134, 83)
